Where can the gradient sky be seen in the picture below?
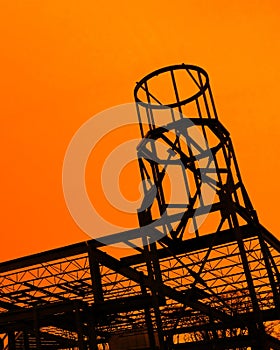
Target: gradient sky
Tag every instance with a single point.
(64, 61)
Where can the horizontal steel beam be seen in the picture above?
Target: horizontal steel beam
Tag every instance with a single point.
(189, 245)
(193, 244)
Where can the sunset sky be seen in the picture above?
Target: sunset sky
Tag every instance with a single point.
(65, 61)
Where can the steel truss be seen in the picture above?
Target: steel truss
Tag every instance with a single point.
(206, 274)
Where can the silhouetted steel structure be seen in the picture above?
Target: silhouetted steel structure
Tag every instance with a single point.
(198, 281)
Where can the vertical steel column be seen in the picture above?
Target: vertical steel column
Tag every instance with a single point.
(95, 276)
(266, 255)
(26, 341)
(96, 281)
(152, 278)
(37, 329)
(149, 323)
(79, 328)
(11, 340)
(92, 335)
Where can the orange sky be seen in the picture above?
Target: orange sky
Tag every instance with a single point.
(63, 61)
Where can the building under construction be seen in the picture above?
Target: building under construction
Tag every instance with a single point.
(206, 274)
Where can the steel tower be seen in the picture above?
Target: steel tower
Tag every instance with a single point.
(164, 99)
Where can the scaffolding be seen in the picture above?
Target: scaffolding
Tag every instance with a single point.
(206, 275)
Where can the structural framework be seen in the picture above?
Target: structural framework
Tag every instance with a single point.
(206, 273)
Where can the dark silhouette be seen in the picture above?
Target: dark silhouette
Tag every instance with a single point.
(206, 275)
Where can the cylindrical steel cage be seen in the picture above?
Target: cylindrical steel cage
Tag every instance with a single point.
(182, 88)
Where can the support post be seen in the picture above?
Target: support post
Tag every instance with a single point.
(152, 275)
(37, 330)
(149, 323)
(92, 335)
(95, 276)
(79, 328)
(25, 341)
(11, 340)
